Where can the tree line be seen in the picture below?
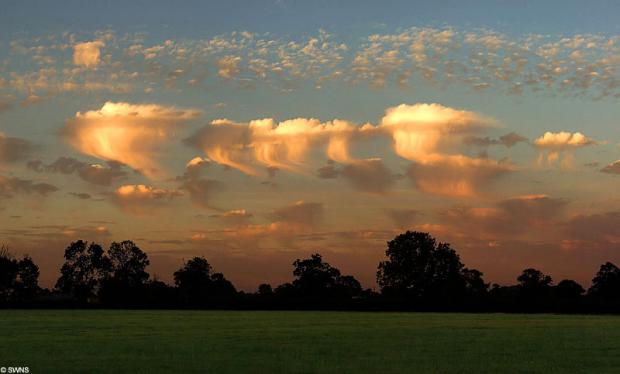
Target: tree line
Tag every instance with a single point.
(418, 273)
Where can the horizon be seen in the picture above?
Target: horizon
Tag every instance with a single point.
(256, 133)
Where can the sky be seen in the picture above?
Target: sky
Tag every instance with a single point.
(257, 132)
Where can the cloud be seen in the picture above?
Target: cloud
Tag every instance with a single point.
(370, 176)
(403, 218)
(87, 54)
(10, 186)
(563, 140)
(558, 143)
(128, 133)
(529, 215)
(228, 67)
(80, 195)
(456, 175)
(419, 130)
(141, 199)
(596, 228)
(512, 139)
(92, 173)
(281, 146)
(612, 168)
(14, 149)
(420, 133)
(200, 189)
(236, 217)
(300, 212)
(508, 140)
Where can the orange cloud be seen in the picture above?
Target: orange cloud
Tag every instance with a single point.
(140, 199)
(420, 133)
(87, 54)
(127, 133)
(555, 144)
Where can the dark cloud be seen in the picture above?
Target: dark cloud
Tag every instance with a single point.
(80, 195)
(613, 168)
(602, 227)
(507, 140)
(511, 139)
(329, 171)
(369, 176)
(200, 189)
(299, 212)
(91, 173)
(10, 186)
(14, 149)
(403, 218)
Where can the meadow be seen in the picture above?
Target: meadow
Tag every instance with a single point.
(105, 341)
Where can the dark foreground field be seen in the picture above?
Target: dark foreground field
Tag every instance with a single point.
(89, 341)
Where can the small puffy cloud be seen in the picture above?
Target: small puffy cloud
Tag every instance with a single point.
(235, 217)
(14, 149)
(512, 139)
(613, 168)
(300, 212)
(10, 186)
(140, 199)
(87, 54)
(558, 143)
(128, 133)
(92, 173)
(508, 140)
(228, 67)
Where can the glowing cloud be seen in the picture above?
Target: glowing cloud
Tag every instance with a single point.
(140, 199)
(557, 143)
(282, 146)
(421, 131)
(127, 133)
(87, 54)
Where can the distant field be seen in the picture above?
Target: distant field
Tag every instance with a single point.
(265, 342)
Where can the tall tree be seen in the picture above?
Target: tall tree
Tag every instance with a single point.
(606, 283)
(85, 267)
(199, 286)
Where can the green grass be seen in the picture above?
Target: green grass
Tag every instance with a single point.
(102, 341)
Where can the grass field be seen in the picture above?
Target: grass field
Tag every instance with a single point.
(102, 341)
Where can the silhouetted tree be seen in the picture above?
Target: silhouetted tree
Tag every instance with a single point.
(419, 268)
(534, 290)
(85, 267)
(568, 289)
(606, 284)
(128, 263)
(127, 277)
(265, 289)
(19, 280)
(198, 286)
(318, 281)
(27, 285)
(8, 274)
